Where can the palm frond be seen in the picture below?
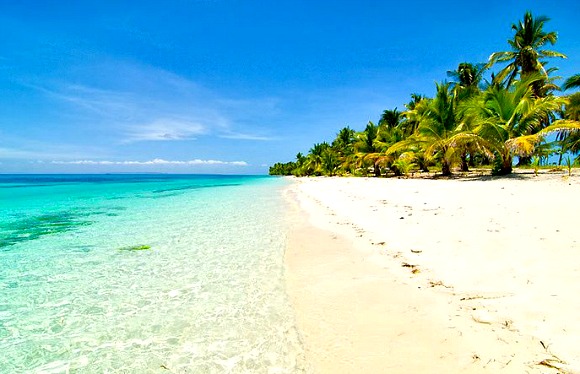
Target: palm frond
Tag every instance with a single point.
(404, 145)
(523, 145)
(561, 126)
(572, 82)
(546, 53)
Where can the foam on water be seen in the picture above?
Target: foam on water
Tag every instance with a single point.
(208, 296)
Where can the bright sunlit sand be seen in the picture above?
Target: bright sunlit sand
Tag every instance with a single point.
(436, 276)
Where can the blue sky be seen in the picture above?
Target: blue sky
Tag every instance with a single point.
(230, 86)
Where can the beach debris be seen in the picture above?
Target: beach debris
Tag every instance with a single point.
(380, 243)
(508, 324)
(416, 251)
(414, 268)
(557, 363)
(561, 366)
(438, 283)
(487, 297)
(135, 248)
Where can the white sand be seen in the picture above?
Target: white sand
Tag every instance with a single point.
(491, 282)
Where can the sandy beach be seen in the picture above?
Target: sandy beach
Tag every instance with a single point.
(437, 276)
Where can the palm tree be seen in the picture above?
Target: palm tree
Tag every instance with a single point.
(466, 79)
(299, 169)
(330, 162)
(365, 147)
(343, 143)
(314, 163)
(415, 109)
(572, 108)
(343, 146)
(438, 126)
(390, 118)
(570, 140)
(527, 51)
(508, 121)
(438, 134)
(388, 136)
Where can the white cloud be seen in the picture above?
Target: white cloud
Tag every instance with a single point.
(157, 161)
(165, 129)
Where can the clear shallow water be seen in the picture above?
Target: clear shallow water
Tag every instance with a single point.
(208, 296)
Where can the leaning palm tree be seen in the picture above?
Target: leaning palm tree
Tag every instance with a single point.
(527, 53)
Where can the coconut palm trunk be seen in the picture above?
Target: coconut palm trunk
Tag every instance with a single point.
(464, 163)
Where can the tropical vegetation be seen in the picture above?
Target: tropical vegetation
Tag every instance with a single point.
(518, 114)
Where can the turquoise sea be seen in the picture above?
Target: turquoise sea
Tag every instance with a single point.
(208, 296)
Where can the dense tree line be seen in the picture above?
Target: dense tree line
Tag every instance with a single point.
(471, 121)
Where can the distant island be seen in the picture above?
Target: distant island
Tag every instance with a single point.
(518, 113)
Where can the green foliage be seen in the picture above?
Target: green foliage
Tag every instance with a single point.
(466, 79)
(282, 168)
(405, 163)
(390, 118)
(572, 82)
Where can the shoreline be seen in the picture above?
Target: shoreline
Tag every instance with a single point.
(505, 302)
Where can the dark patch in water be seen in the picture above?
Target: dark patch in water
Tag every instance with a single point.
(39, 226)
(48, 224)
